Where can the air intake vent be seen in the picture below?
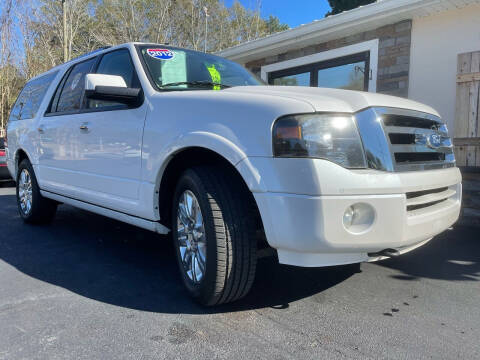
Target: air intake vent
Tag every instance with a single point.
(417, 200)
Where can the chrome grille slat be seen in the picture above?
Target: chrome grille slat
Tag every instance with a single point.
(413, 130)
(412, 148)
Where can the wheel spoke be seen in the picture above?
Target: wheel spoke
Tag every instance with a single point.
(183, 253)
(189, 205)
(183, 214)
(200, 264)
(195, 268)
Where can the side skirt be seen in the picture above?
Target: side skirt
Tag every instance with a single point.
(129, 219)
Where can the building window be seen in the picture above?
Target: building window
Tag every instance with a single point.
(349, 67)
(302, 79)
(350, 72)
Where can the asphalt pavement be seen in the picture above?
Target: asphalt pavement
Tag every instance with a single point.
(88, 287)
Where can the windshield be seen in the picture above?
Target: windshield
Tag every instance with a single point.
(179, 69)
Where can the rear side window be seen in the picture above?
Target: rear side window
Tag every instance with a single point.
(72, 89)
(31, 97)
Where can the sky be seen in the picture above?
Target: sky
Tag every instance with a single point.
(291, 12)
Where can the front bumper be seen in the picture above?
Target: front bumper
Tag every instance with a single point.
(307, 229)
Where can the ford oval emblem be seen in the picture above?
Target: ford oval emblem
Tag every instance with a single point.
(434, 141)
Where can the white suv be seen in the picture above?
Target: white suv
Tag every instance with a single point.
(173, 140)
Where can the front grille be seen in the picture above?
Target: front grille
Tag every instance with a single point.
(417, 200)
(418, 143)
(404, 140)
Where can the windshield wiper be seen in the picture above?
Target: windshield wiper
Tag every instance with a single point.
(196, 83)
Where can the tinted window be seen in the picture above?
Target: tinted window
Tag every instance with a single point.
(118, 63)
(54, 103)
(115, 63)
(31, 97)
(73, 88)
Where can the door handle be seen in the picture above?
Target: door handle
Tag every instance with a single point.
(84, 127)
(41, 129)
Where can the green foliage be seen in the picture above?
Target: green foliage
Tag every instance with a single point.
(273, 25)
(339, 6)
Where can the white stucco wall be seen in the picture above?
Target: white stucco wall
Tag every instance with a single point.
(436, 42)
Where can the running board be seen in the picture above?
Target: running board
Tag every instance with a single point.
(129, 219)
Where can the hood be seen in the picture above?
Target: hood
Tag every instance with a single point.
(334, 100)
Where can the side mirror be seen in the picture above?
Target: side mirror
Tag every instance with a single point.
(111, 88)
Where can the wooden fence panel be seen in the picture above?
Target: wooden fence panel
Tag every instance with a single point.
(467, 114)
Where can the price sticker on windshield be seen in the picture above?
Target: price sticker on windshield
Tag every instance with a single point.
(161, 54)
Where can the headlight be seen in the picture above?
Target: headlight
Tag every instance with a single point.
(332, 137)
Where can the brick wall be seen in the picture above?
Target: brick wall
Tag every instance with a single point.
(393, 57)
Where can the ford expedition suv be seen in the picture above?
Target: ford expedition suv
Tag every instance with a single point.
(182, 142)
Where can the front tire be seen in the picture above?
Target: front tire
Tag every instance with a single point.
(214, 231)
(32, 206)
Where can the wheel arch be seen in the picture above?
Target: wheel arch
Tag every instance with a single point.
(177, 163)
(20, 155)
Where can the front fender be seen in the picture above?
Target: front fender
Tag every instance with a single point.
(157, 162)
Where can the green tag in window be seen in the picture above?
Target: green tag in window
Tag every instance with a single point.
(215, 75)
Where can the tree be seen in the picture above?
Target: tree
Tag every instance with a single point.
(339, 6)
(10, 78)
(274, 25)
(33, 40)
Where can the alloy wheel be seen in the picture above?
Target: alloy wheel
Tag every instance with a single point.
(25, 191)
(191, 237)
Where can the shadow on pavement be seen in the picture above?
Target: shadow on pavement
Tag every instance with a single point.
(452, 255)
(115, 263)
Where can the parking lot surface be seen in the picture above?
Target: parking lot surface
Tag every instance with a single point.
(88, 287)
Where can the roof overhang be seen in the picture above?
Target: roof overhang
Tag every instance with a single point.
(361, 19)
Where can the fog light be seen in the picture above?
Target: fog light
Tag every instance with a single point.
(358, 218)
